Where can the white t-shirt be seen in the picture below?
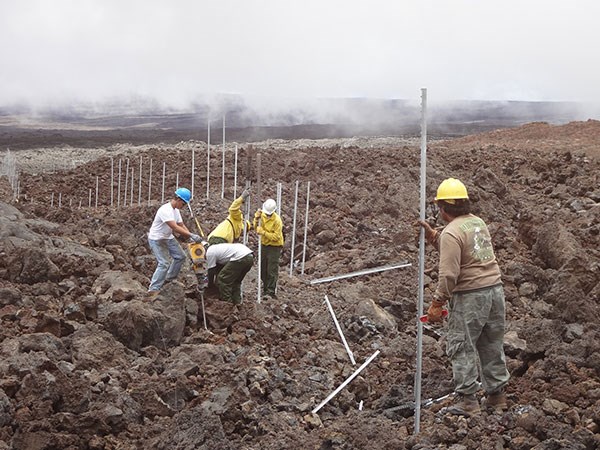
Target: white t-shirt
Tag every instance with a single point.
(223, 253)
(159, 228)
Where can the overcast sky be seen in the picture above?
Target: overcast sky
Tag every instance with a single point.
(175, 50)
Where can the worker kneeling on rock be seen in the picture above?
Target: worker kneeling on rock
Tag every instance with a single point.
(236, 260)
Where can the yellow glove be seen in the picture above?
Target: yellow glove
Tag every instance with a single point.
(257, 214)
(259, 230)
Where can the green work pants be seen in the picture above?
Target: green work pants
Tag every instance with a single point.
(475, 340)
(269, 268)
(230, 279)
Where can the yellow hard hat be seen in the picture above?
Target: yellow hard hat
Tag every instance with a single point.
(451, 189)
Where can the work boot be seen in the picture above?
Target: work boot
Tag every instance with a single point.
(496, 402)
(150, 295)
(465, 405)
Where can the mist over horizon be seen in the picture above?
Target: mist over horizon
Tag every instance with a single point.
(242, 111)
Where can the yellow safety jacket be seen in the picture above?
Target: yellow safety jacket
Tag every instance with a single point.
(232, 227)
(272, 229)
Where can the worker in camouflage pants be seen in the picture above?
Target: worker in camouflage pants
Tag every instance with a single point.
(469, 281)
(476, 333)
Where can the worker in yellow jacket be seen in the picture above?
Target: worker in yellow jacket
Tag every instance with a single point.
(269, 227)
(229, 230)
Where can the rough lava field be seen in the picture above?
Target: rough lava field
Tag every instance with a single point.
(86, 364)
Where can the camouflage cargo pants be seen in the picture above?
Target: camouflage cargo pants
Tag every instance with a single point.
(476, 339)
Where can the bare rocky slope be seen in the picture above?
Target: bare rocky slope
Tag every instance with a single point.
(86, 364)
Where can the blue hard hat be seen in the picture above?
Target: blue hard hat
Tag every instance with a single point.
(184, 194)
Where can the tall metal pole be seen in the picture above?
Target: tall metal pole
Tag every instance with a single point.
(208, 159)
(305, 227)
(97, 182)
(112, 180)
(193, 169)
(131, 194)
(164, 176)
(294, 229)
(421, 262)
(235, 164)
(119, 186)
(150, 182)
(125, 191)
(279, 198)
(246, 216)
(223, 163)
(258, 181)
(259, 277)
(140, 185)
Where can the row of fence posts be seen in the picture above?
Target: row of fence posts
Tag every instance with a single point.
(11, 171)
(125, 187)
(122, 176)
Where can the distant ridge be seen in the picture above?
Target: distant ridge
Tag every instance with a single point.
(247, 120)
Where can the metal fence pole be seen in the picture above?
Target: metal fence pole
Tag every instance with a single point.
(294, 229)
(305, 227)
(421, 262)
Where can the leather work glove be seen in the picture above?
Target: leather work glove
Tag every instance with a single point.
(257, 214)
(435, 311)
(195, 238)
(245, 194)
(260, 231)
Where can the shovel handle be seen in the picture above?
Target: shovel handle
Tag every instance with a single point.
(423, 318)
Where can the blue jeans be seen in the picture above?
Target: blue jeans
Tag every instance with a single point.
(170, 257)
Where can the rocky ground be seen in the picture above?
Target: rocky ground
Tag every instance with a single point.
(86, 364)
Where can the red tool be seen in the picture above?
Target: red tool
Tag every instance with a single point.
(423, 318)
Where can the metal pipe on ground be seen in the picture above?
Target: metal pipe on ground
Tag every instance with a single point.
(339, 330)
(361, 272)
(348, 380)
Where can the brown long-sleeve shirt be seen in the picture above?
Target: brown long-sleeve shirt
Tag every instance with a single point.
(467, 259)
